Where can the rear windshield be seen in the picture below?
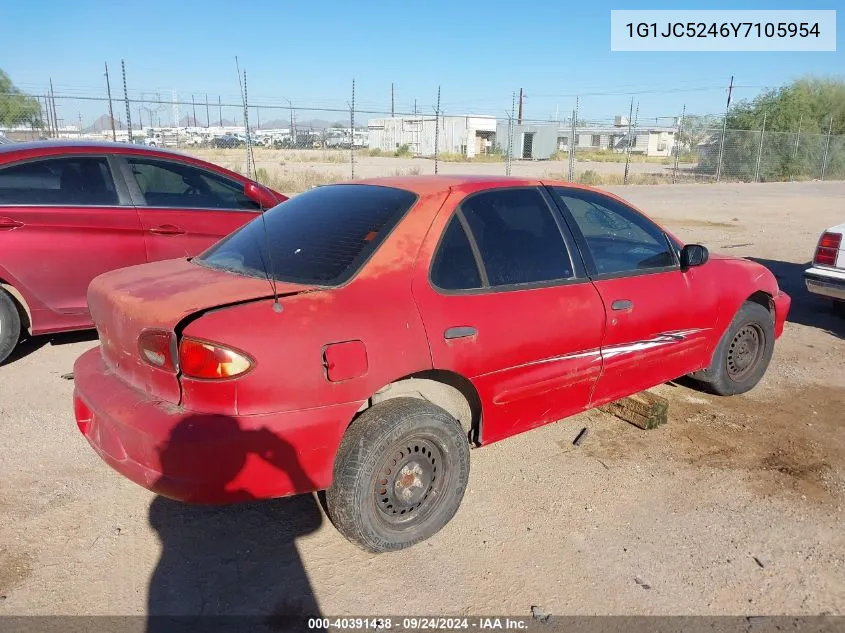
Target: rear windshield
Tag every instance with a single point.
(322, 236)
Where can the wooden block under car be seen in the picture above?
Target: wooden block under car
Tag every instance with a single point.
(645, 410)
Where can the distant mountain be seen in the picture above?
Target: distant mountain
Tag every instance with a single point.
(104, 123)
(188, 121)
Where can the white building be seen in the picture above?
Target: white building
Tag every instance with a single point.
(466, 135)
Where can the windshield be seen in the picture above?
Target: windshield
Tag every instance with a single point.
(322, 236)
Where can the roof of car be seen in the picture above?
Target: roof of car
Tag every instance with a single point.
(431, 184)
(98, 145)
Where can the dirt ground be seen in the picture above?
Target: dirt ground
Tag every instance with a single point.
(734, 507)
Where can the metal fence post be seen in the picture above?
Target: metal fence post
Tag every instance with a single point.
(721, 149)
(795, 151)
(126, 100)
(628, 144)
(827, 147)
(574, 141)
(351, 129)
(510, 136)
(437, 130)
(760, 151)
(678, 144)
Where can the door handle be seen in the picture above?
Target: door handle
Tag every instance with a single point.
(167, 229)
(461, 331)
(7, 224)
(622, 304)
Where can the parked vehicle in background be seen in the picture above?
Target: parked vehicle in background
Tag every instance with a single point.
(72, 210)
(226, 141)
(262, 368)
(826, 277)
(4, 140)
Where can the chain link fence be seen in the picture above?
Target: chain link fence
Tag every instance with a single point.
(293, 146)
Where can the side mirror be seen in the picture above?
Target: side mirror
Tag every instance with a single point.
(694, 255)
(261, 195)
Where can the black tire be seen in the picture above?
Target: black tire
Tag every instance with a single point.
(743, 353)
(10, 325)
(399, 475)
(839, 307)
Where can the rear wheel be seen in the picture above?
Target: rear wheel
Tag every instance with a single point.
(10, 325)
(743, 353)
(399, 475)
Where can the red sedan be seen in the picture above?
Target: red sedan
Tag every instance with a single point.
(70, 211)
(360, 337)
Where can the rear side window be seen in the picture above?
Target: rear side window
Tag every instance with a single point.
(517, 236)
(171, 184)
(454, 267)
(322, 236)
(72, 181)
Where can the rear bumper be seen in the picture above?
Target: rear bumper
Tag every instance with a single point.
(199, 457)
(782, 302)
(827, 283)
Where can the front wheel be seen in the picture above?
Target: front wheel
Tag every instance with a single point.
(743, 353)
(839, 307)
(10, 325)
(399, 475)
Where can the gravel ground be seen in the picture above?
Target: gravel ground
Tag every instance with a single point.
(734, 507)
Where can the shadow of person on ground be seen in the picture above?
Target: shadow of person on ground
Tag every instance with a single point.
(229, 560)
(807, 308)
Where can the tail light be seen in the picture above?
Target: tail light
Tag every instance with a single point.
(158, 348)
(206, 360)
(827, 248)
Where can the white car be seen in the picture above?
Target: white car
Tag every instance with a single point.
(827, 275)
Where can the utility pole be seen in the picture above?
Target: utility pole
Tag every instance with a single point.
(194, 106)
(220, 110)
(111, 111)
(724, 131)
(392, 110)
(519, 114)
(437, 131)
(207, 114)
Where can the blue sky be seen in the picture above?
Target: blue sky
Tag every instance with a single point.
(479, 52)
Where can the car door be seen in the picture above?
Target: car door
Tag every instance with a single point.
(63, 221)
(507, 304)
(660, 319)
(183, 208)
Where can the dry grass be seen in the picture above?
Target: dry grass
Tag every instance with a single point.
(295, 181)
(607, 156)
(593, 178)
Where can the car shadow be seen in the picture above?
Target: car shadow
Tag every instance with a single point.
(32, 344)
(235, 566)
(807, 308)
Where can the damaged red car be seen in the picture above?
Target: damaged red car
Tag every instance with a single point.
(360, 337)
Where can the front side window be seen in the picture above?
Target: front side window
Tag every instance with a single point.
(322, 236)
(176, 185)
(620, 239)
(517, 236)
(72, 181)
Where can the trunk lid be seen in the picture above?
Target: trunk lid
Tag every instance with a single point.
(161, 295)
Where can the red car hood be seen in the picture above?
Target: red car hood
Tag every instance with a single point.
(160, 295)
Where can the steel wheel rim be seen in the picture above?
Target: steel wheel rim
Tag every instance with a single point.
(408, 484)
(745, 351)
